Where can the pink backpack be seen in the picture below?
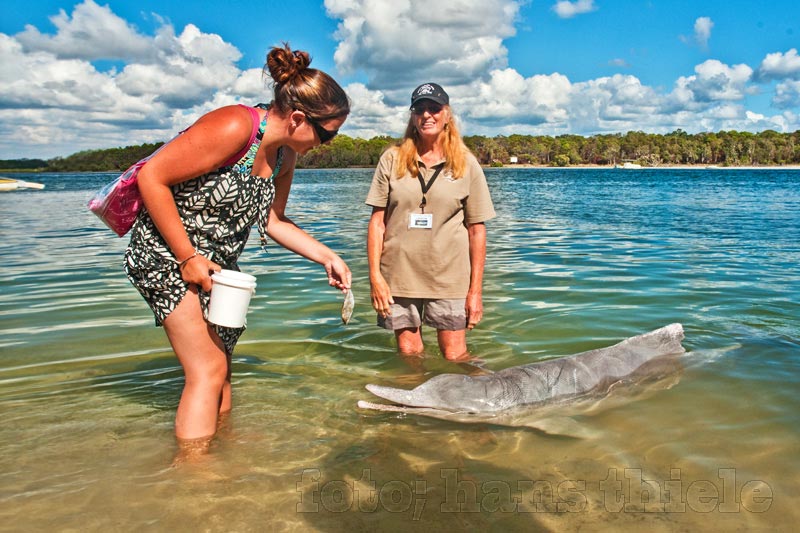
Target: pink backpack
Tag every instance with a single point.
(118, 203)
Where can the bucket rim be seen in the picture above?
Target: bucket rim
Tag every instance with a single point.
(233, 275)
(236, 279)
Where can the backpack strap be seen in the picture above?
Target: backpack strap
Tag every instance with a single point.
(253, 133)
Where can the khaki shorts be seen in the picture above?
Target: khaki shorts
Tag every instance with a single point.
(447, 314)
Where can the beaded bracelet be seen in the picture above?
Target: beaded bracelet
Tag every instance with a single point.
(182, 263)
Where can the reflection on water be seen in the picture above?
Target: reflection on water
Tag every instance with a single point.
(578, 259)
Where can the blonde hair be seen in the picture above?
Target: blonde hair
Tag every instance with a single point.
(302, 88)
(455, 151)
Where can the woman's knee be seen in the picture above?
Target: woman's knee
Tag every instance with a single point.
(213, 373)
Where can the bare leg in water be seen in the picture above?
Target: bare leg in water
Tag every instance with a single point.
(206, 366)
(453, 344)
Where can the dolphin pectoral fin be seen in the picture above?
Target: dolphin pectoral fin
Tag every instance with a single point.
(701, 357)
(435, 413)
(382, 407)
(563, 426)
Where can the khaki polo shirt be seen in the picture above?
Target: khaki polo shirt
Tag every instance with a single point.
(429, 263)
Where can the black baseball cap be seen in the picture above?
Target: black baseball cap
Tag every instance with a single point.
(430, 91)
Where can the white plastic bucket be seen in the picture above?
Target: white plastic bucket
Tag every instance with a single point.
(230, 297)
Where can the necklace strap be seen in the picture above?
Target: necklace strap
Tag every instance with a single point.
(427, 186)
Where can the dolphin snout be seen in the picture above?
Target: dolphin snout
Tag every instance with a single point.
(401, 396)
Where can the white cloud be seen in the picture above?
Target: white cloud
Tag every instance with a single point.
(509, 98)
(702, 30)
(616, 103)
(725, 111)
(787, 94)
(249, 85)
(42, 82)
(191, 68)
(93, 32)
(711, 100)
(713, 81)
(397, 48)
(566, 9)
(702, 33)
(780, 66)
(51, 107)
(750, 121)
(165, 80)
(371, 116)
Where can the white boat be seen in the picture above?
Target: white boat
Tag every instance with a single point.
(631, 165)
(8, 184)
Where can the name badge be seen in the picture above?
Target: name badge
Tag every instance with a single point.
(420, 221)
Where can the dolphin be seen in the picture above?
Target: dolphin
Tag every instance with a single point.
(563, 380)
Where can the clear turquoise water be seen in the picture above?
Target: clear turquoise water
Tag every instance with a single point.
(578, 259)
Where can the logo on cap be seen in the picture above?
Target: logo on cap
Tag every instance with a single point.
(425, 89)
(430, 91)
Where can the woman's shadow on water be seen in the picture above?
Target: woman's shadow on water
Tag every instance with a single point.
(155, 383)
(386, 482)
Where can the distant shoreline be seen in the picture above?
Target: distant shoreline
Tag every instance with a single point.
(659, 167)
(504, 167)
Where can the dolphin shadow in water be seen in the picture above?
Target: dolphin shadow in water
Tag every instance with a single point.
(535, 394)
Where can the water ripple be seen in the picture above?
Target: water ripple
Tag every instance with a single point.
(577, 259)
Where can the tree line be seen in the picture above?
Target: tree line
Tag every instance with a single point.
(725, 148)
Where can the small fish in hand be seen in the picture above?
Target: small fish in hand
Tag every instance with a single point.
(348, 305)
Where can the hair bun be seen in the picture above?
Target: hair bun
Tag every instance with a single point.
(299, 87)
(284, 63)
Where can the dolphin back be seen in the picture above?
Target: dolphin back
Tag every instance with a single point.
(588, 371)
(539, 382)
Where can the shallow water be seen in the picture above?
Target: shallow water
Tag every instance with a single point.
(578, 259)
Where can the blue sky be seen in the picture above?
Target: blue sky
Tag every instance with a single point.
(86, 74)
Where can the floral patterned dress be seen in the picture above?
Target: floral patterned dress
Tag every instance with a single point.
(218, 211)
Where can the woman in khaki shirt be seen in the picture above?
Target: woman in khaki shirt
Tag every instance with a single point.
(426, 242)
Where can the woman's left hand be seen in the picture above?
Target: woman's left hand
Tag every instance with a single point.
(474, 308)
(338, 273)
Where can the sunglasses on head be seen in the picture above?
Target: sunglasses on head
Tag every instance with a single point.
(431, 107)
(323, 134)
